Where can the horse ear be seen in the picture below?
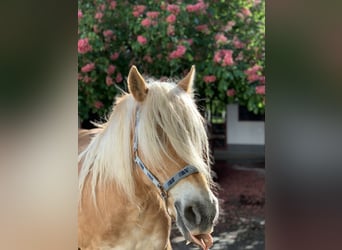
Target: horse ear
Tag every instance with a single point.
(136, 84)
(187, 82)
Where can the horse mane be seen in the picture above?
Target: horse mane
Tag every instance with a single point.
(168, 114)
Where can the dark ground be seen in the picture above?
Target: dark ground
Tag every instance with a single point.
(241, 225)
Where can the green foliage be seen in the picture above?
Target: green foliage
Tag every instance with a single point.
(202, 34)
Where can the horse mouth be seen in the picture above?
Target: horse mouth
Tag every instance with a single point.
(204, 241)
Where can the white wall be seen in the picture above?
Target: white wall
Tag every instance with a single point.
(243, 132)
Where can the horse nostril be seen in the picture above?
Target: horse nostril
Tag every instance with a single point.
(192, 215)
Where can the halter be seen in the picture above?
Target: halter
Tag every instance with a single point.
(186, 171)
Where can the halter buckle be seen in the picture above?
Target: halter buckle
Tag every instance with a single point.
(163, 194)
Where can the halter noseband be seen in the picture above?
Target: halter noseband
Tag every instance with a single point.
(186, 171)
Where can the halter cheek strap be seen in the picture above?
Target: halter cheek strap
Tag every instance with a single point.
(186, 171)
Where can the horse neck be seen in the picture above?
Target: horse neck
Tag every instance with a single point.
(145, 190)
(115, 214)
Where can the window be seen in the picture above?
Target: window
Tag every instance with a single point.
(245, 115)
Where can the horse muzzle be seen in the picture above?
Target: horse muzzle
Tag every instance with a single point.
(196, 219)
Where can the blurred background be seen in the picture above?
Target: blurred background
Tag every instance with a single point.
(40, 98)
(225, 40)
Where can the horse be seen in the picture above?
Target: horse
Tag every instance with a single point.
(146, 166)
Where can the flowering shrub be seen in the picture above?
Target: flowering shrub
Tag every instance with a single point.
(224, 39)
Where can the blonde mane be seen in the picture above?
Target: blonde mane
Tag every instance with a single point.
(168, 114)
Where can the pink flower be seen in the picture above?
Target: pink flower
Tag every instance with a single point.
(146, 22)
(202, 28)
(152, 14)
(98, 104)
(96, 28)
(260, 89)
(231, 23)
(252, 78)
(220, 38)
(253, 70)
(109, 81)
(190, 8)
(178, 53)
(240, 15)
(108, 33)
(257, 2)
(239, 57)
(138, 10)
(256, 68)
(209, 78)
(118, 78)
(218, 57)
(190, 41)
(237, 43)
(171, 18)
(87, 79)
(111, 69)
(98, 15)
(79, 14)
(253, 74)
(228, 60)
(173, 8)
(114, 56)
(246, 12)
(142, 40)
(102, 7)
(170, 30)
(148, 59)
(112, 5)
(88, 67)
(187, 41)
(136, 13)
(83, 46)
(229, 26)
(199, 6)
(230, 92)
(224, 57)
(262, 79)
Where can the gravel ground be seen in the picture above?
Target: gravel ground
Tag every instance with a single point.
(241, 223)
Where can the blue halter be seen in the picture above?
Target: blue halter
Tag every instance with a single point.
(186, 171)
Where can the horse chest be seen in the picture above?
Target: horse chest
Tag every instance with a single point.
(147, 228)
(150, 230)
(137, 240)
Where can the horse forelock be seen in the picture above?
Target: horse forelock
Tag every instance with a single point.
(168, 114)
(173, 111)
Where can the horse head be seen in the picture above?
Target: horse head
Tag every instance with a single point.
(171, 150)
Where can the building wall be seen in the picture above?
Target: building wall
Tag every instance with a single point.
(243, 132)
